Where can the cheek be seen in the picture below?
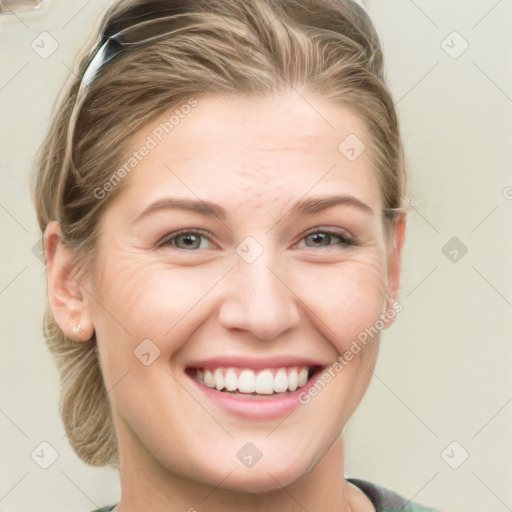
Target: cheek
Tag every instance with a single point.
(138, 297)
(148, 293)
(148, 298)
(345, 298)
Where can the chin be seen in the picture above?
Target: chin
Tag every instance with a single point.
(261, 481)
(265, 475)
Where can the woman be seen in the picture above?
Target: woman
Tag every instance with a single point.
(221, 199)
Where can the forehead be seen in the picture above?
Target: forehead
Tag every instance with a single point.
(253, 152)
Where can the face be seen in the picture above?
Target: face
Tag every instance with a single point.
(245, 252)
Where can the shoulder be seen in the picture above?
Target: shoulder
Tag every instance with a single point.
(385, 500)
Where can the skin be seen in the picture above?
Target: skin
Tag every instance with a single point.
(256, 158)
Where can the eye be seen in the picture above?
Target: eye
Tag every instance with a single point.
(194, 239)
(327, 238)
(188, 240)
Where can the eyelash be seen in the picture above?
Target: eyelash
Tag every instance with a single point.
(345, 240)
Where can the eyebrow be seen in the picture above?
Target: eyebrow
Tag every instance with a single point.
(300, 208)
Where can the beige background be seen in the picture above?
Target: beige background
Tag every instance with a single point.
(445, 370)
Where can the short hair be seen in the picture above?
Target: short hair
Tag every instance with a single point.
(227, 47)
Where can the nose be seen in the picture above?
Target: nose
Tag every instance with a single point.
(258, 300)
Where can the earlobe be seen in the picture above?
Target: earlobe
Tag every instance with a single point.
(67, 297)
(394, 267)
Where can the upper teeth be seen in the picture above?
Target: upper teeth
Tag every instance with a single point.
(265, 382)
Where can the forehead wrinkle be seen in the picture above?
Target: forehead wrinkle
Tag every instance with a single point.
(256, 203)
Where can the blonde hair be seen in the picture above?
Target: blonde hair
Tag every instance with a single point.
(250, 47)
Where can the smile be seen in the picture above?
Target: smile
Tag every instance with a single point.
(266, 381)
(252, 388)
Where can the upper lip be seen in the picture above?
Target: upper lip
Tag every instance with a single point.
(277, 361)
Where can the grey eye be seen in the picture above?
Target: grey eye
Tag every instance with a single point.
(187, 241)
(324, 239)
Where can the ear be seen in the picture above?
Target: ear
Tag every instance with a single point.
(394, 268)
(65, 293)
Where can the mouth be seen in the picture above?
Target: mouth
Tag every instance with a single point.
(248, 382)
(253, 388)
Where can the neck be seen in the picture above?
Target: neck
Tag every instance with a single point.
(151, 487)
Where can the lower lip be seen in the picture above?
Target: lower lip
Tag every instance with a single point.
(262, 407)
